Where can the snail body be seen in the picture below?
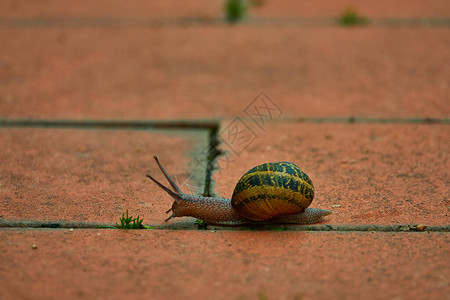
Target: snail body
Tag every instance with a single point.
(277, 193)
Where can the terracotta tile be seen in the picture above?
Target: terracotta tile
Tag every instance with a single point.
(378, 9)
(93, 175)
(113, 264)
(209, 8)
(365, 173)
(214, 72)
(98, 8)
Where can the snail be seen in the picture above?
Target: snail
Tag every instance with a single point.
(276, 193)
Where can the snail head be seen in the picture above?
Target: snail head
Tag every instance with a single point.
(182, 202)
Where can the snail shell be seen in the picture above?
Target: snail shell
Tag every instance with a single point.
(272, 189)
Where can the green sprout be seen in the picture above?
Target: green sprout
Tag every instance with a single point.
(350, 17)
(235, 10)
(202, 225)
(129, 222)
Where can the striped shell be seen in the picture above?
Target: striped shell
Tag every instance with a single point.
(272, 189)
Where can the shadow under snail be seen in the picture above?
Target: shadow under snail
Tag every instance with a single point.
(275, 193)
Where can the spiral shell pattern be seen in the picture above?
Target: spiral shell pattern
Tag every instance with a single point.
(272, 189)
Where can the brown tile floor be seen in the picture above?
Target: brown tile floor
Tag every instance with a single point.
(214, 72)
(364, 111)
(374, 173)
(222, 265)
(78, 175)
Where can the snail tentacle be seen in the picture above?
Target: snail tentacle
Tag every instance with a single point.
(171, 182)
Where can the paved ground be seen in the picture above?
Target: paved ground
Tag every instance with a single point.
(89, 93)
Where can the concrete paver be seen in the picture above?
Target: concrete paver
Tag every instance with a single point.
(214, 8)
(96, 9)
(113, 264)
(63, 60)
(93, 175)
(214, 72)
(366, 173)
(366, 8)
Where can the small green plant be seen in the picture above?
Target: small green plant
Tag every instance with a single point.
(202, 225)
(235, 10)
(128, 222)
(351, 17)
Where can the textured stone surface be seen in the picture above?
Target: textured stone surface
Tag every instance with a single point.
(98, 8)
(367, 8)
(366, 173)
(112, 264)
(92, 175)
(91, 60)
(212, 72)
(214, 8)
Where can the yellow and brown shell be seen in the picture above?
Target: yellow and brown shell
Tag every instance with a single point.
(272, 189)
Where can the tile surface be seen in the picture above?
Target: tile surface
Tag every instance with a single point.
(93, 175)
(215, 72)
(159, 60)
(365, 173)
(115, 264)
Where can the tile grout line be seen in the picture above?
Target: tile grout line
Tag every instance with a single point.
(11, 224)
(123, 22)
(213, 153)
(108, 124)
(366, 120)
(212, 124)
